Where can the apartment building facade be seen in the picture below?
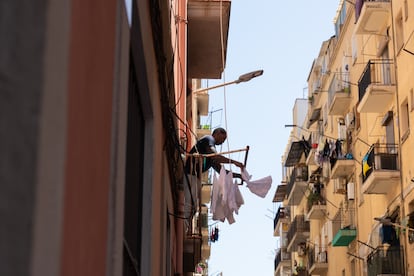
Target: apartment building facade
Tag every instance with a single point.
(97, 111)
(346, 195)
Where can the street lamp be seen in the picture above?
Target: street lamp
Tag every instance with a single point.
(243, 78)
(387, 221)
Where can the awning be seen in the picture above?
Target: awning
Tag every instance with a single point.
(280, 193)
(295, 153)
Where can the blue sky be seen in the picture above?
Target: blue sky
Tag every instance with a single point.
(282, 38)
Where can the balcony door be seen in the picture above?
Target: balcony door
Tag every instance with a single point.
(386, 67)
(389, 128)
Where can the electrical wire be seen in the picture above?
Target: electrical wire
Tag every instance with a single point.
(176, 17)
(165, 80)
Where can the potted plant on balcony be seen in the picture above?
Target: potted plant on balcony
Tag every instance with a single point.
(313, 198)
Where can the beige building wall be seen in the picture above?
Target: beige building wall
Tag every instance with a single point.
(372, 121)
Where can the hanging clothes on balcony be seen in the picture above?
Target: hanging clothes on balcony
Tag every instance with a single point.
(226, 197)
(388, 235)
(365, 166)
(214, 234)
(306, 146)
(338, 148)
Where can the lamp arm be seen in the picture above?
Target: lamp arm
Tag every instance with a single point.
(213, 87)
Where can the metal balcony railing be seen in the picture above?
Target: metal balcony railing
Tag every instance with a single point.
(339, 83)
(299, 173)
(380, 157)
(282, 255)
(277, 261)
(360, 3)
(315, 257)
(315, 198)
(378, 72)
(298, 226)
(386, 260)
(282, 212)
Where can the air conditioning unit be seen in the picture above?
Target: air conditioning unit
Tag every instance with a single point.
(350, 120)
(340, 185)
(327, 231)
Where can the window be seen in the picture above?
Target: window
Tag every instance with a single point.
(340, 19)
(134, 183)
(405, 122)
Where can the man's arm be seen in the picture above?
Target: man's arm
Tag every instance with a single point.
(219, 159)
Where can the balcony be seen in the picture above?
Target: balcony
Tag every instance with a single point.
(297, 185)
(281, 218)
(380, 171)
(191, 253)
(203, 130)
(310, 160)
(344, 237)
(282, 261)
(376, 87)
(297, 149)
(280, 193)
(298, 232)
(314, 113)
(386, 261)
(339, 94)
(316, 207)
(317, 261)
(372, 16)
(342, 168)
(313, 142)
(207, 22)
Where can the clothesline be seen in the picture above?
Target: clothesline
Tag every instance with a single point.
(226, 197)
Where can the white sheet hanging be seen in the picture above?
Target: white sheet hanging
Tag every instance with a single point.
(259, 187)
(226, 197)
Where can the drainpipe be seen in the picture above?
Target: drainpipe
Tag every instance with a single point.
(402, 207)
(181, 78)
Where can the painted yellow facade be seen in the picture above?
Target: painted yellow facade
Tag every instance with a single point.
(348, 183)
